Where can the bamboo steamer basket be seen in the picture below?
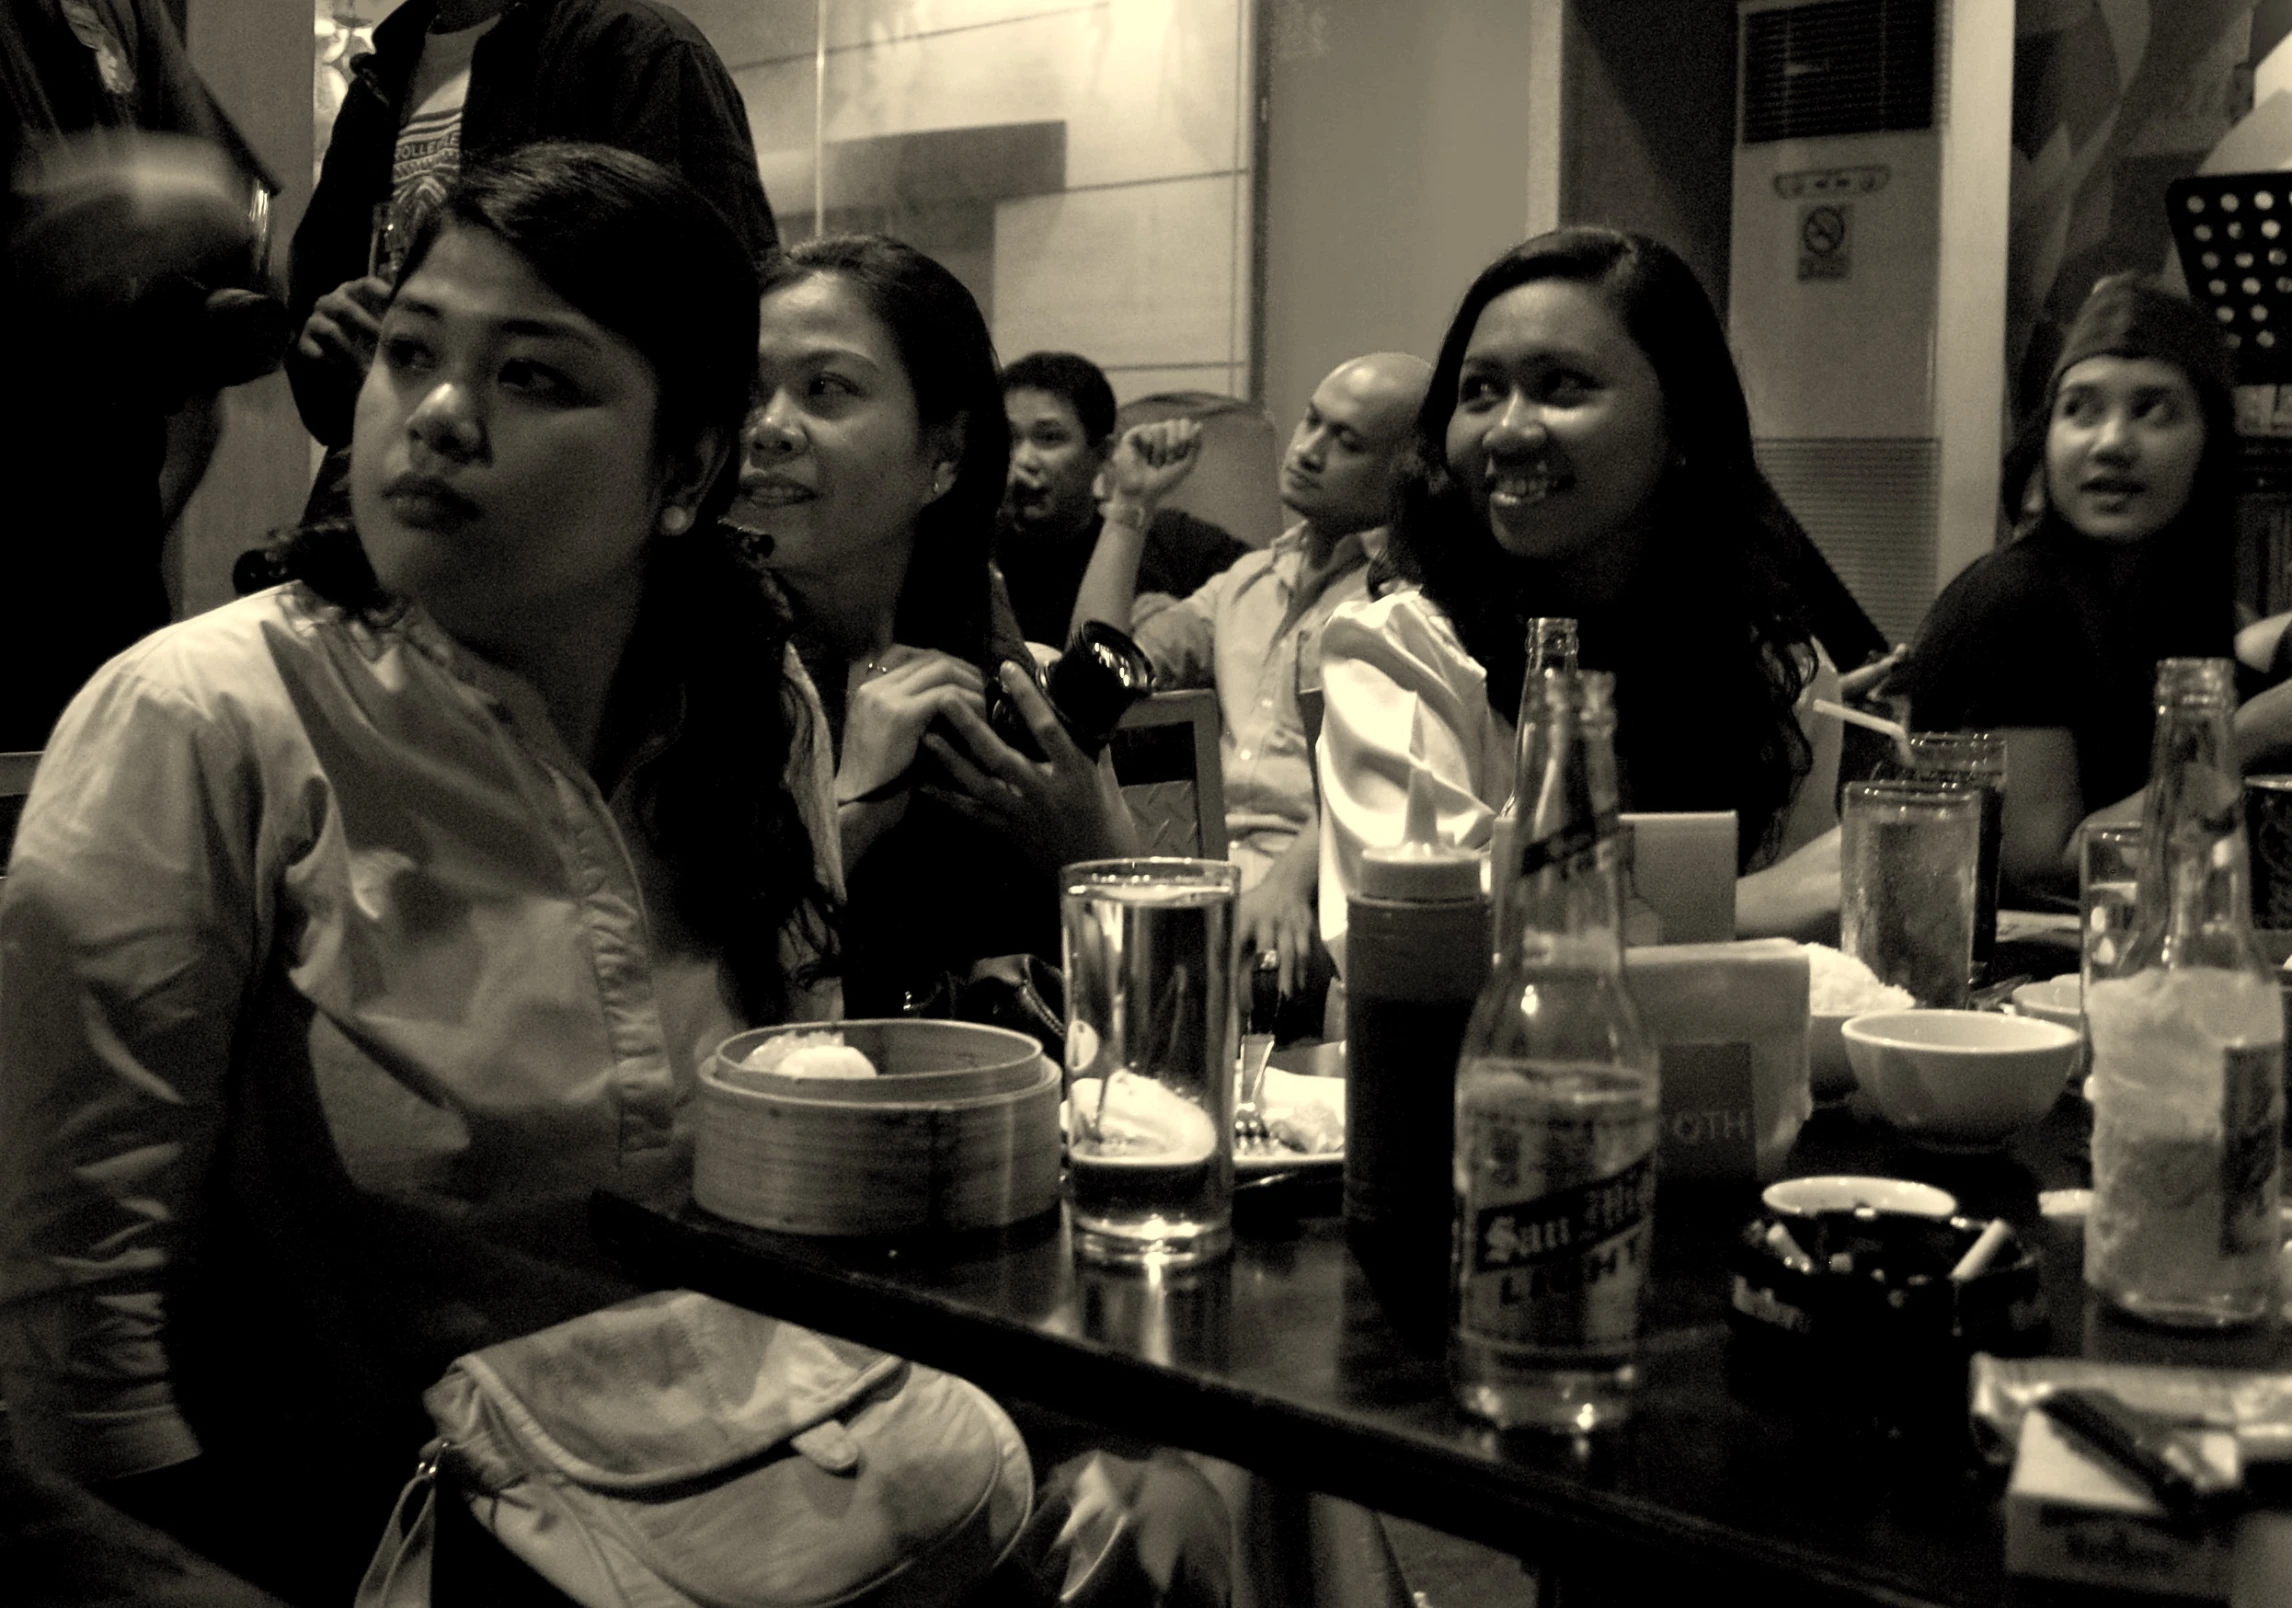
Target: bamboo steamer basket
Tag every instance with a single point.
(958, 1131)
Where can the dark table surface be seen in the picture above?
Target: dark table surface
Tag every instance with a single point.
(1294, 1360)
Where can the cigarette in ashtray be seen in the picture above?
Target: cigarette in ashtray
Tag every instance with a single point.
(1981, 1253)
(822, 1054)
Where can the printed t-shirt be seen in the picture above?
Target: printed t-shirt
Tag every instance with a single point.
(429, 152)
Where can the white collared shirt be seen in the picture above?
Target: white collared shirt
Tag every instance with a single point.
(1248, 633)
(269, 824)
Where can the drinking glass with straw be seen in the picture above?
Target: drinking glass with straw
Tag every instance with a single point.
(1894, 730)
(1907, 855)
(1151, 952)
(1976, 760)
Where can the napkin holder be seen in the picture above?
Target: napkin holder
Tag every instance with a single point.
(1731, 1022)
(1683, 870)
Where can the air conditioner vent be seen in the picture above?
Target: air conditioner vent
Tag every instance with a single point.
(1870, 507)
(1838, 67)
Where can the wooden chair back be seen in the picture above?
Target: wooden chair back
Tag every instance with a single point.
(1166, 759)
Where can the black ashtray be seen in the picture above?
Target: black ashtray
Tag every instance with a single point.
(1860, 1303)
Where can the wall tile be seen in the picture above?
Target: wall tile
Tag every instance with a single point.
(1144, 274)
(1136, 263)
(1148, 88)
(1220, 378)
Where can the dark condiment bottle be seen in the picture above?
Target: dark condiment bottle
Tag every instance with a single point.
(1417, 954)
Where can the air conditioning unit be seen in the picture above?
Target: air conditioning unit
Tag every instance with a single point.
(1867, 284)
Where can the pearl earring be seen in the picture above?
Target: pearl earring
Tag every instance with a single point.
(942, 480)
(674, 520)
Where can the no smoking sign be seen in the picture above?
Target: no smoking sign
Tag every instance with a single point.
(1826, 240)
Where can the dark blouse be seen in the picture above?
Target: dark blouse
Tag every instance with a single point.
(2059, 630)
(938, 892)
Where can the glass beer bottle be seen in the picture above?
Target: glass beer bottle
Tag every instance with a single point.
(1556, 1102)
(2188, 1045)
(1551, 645)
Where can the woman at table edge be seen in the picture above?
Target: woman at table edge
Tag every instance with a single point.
(1585, 450)
(357, 930)
(2121, 492)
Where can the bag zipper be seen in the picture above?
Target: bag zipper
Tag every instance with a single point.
(432, 1459)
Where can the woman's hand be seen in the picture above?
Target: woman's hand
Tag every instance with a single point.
(1060, 810)
(904, 691)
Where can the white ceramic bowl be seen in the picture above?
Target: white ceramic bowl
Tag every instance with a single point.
(2058, 999)
(1959, 1080)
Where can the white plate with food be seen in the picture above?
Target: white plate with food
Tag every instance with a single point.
(1307, 1116)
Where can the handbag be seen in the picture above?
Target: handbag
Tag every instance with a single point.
(676, 1450)
(1022, 992)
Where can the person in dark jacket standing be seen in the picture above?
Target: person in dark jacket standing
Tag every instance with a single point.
(133, 290)
(459, 79)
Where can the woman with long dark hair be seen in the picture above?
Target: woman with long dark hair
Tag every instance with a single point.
(872, 463)
(2120, 491)
(1585, 451)
(357, 931)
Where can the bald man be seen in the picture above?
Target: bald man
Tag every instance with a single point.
(1254, 632)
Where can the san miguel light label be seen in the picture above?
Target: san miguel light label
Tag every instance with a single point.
(1555, 1231)
(1563, 1268)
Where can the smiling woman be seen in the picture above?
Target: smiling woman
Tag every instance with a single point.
(1587, 454)
(1558, 440)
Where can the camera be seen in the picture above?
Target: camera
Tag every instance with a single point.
(1101, 674)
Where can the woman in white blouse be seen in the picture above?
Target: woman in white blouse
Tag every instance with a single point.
(357, 931)
(1585, 451)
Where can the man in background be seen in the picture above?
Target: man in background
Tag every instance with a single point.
(1254, 632)
(1062, 429)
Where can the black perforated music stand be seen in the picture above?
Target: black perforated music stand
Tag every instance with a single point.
(2234, 233)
